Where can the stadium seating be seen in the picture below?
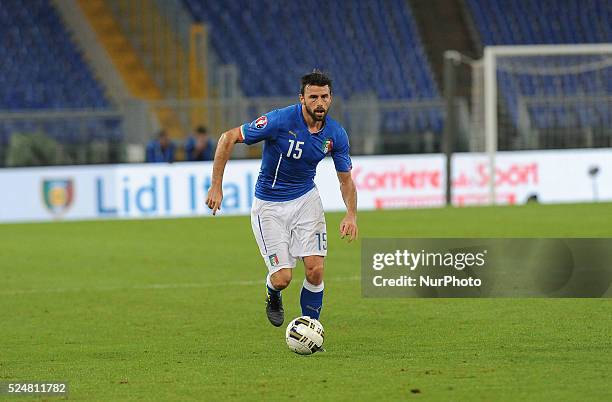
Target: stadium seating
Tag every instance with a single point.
(367, 47)
(506, 22)
(513, 22)
(42, 69)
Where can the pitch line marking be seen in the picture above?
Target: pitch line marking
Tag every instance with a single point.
(153, 286)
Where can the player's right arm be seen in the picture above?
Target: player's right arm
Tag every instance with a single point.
(262, 128)
(222, 155)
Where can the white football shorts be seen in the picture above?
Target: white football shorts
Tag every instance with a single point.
(288, 230)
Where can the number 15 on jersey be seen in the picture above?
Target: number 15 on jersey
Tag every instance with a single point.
(298, 149)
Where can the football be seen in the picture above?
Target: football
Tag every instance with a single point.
(305, 335)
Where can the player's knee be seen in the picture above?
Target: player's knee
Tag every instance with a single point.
(281, 279)
(281, 283)
(314, 274)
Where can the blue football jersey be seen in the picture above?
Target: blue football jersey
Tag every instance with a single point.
(291, 153)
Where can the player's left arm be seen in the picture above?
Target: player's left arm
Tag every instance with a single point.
(348, 226)
(342, 162)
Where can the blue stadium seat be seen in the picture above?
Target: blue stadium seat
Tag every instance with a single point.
(366, 46)
(517, 22)
(43, 69)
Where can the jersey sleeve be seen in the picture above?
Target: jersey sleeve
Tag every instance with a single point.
(263, 128)
(340, 152)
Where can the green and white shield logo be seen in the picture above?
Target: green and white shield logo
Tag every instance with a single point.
(58, 195)
(327, 146)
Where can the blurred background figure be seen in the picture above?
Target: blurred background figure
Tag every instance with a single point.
(199, 147)
(161, 149)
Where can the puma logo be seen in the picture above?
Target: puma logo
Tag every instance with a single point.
(292, 133)
(318, 310)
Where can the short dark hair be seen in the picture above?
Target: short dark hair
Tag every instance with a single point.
(316, 78)
(201, 130)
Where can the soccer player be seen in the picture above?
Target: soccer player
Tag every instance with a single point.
(287, 215)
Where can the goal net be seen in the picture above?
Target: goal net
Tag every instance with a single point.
(541, 97)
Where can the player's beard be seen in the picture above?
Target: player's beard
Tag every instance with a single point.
(315, 116)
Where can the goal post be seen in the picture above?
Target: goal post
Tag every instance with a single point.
(546, 90)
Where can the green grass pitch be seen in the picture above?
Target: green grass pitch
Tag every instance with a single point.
(174, 310)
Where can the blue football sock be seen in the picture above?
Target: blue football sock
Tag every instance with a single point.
(273, 292)
(311, 299)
